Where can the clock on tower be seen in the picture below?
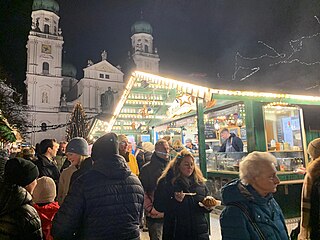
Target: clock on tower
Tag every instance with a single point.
(45, 48)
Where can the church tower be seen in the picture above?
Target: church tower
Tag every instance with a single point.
(44, 58)
(44, 71)
(145, 57)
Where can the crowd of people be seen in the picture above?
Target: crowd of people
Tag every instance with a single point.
(64, 191)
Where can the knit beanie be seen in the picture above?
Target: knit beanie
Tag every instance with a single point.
(148, 146)
(105, 146)
(45, 191)
(314, 148)
(20, 171)
(78, 145)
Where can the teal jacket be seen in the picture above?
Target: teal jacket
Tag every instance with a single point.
(264, 211)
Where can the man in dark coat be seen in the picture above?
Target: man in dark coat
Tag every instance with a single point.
(18, 219)
(232, 143)
(46, 163)
(149, 175)
(104, 203)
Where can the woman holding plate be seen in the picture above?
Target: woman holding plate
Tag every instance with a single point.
(181, 194)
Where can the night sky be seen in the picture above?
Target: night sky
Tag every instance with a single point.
(199, 37)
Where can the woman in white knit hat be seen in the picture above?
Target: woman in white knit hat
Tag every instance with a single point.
(76, 152)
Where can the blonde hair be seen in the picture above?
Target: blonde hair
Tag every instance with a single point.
(253, 164)
(177, 144)
(174, 166)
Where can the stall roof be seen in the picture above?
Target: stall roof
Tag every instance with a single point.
(149, 100)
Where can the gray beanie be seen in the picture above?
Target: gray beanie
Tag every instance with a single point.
(78, 145)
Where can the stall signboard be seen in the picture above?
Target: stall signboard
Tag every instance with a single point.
(209, 131)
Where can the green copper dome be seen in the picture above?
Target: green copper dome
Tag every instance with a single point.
(68, 70)
(141, 27)
(49, 5)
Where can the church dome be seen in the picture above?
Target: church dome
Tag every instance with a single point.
(141, 27)
(49, 5)
(68, 70)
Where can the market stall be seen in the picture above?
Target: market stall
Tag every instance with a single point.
(153, 106)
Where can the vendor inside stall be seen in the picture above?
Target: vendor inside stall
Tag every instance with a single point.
(231, 143)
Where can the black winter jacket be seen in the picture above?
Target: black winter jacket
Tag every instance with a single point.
(151, 171)
(182, 220)
(47, 168)
(18, 219)
(104, 203)
(237, 143)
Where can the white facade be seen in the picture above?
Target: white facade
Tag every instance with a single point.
(46, 96)
(97, 79)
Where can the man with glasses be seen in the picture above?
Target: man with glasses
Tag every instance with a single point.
(128, 156)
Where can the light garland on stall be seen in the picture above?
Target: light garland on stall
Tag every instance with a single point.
(182, 88)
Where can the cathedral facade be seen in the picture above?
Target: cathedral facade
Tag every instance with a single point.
(52, 86)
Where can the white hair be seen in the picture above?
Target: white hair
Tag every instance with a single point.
(253, 164)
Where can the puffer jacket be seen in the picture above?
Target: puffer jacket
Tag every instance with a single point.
(46, 213)
(104, 203)
(182, 220)
(18, 219)
(264, 211)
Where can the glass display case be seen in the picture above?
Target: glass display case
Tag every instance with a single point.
(283, 128)
(222, 161)
(283, 132)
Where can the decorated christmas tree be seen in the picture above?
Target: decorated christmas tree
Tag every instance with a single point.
(78, 125)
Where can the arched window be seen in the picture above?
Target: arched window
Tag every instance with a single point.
(146, 48)
(46, 28)
(44, 97)
(45, 68)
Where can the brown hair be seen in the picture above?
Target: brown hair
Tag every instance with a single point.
(174, 166)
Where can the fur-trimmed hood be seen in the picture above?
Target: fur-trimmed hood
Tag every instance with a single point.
(313, 169)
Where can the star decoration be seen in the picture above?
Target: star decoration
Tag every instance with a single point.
(185, 99)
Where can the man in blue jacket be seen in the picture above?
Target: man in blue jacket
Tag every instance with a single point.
(104, 203)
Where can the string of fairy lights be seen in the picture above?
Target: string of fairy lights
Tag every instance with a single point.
(296, 46)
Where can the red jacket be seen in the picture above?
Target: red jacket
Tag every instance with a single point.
(46, 214)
